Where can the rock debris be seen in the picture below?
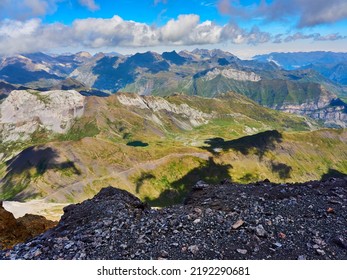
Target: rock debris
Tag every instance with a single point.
(227, 221)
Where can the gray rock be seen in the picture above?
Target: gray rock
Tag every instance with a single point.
(340, 241)
(200, 185)
(194, 249)
(23, 112)
(320, 252)
(238, 224)
(260, 231)
(242, 251)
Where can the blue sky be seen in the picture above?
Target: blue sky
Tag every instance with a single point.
(244, 27)
(146, 11)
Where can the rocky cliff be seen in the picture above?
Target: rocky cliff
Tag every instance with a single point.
(331, 116)
(226, 221)
(14, 231)
(25, 111)
(231, 73)
(157, 104)
(328, 109)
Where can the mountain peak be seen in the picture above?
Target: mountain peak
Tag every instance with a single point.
(174, 57)
(84, 54)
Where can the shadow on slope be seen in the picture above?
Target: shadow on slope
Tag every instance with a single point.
(31, 157)
(39, 158)
(140, 181)
(32, 163)
(17, 73)
(283, 170)
(258, 143)
(210, 172)
(333, 173)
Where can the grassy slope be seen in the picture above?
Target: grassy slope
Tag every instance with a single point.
(95, 153)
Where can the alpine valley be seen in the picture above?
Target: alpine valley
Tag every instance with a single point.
(155, 124)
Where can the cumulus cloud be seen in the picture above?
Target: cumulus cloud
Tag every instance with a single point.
(97, 32)
(177, 30)
(308, 12)
(33, 35)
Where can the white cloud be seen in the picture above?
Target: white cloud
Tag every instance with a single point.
(32, 36)
(206, 33)
(179, 30)
(25, 9)
(94, 33)
(232, 32)
(90, 4)
(18, 29)
(38, 7)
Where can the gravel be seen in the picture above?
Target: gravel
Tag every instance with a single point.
(228, 221)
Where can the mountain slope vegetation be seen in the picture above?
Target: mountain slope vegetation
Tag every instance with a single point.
(157, 148)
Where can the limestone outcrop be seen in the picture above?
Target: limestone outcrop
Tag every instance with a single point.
(25, 111)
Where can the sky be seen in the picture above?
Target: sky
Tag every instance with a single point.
(243, 27)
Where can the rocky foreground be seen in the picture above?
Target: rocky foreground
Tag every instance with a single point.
(227, 221)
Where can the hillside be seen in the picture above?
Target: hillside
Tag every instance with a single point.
(156, 147)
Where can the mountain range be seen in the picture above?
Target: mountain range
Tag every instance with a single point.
(308, 90)
(331, 65)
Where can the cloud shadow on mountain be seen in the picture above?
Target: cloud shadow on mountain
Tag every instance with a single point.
(333, 173)
(143, 177)
(209, 171)
(39, 158)
(258, 143)
(283, 170)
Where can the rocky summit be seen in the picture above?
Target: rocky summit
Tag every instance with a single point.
(226, 221)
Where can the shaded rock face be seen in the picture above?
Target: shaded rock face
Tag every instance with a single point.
(14, 231)
(11, 232)
(24, 112)
(36, 224)
(227, 221)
